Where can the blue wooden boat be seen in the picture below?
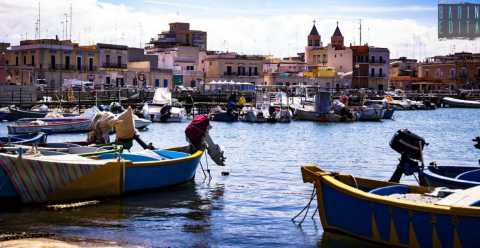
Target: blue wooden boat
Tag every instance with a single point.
(386, 213)
(71, 177)
(455, 177)
(24, 139)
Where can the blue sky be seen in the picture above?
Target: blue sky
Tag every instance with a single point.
(424, 11)
(267, 27)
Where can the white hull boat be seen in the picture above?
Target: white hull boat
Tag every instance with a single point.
(458, 103)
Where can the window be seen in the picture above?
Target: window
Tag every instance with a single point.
(372, 60)
(229, 70)
(165, 83)
(67, 62)
(190, 67)
(107, 80)
(255, 71)
(119, 61)
(90, 64)
(459, 12)
(477, 27)
(33, 60)
(452, 74)
(250, 71)
(24, 60)
(459, 27)
(52, 61)
(79, 63)
(477, 12)
(440, 12)
(107, 59)
(380, 72)
(372, 72)
(468, 12)
(381, 59)
(467, 27)
(450, 27)
(450, 12)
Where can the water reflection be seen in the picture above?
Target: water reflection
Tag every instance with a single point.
(138, 214)
(335, 240)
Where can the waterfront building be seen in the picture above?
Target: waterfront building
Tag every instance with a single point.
(178, 35)
(459, 70)
(334, 56)
(112, 61)
(184, 61)
(48, 62)
(403, 73)
(3, 59)
(371, 67)
(143, 71)
(379, 66)
(360, 67)
(225, 66)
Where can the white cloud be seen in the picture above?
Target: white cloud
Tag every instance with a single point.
(274, 32)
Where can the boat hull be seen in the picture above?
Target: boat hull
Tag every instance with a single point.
(27, 139)
(92, 180)
(50, 127)
(446, 176)
(344, 208)
(458, 103)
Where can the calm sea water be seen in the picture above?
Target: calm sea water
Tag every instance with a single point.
(254, 204)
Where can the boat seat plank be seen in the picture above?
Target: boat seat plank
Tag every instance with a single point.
(390, 190)
(464, 198)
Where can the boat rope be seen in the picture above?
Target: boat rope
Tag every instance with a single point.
(208, 169)
(355, 181)
(203, 170)
(305, 209)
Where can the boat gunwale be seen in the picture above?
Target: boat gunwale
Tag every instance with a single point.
(329, 178)
(49, 124)
(122, 162)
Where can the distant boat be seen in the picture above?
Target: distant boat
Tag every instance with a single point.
(81, 123)
(458, 103)
(24, 139)
(17, 113)
(161, 108)
(393, 214)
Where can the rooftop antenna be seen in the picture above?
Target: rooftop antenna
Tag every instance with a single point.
(71, 20)
(360, 29)
(37, 24)
(63, 28)
(66, 26)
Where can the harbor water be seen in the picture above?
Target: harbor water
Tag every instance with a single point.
(252, 206)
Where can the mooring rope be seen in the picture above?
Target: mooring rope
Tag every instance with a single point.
(305, 209)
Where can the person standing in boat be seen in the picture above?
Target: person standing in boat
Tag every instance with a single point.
(189, 104)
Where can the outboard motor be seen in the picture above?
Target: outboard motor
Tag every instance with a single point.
(477, 139)
(198, 137)
(165, 113)
(410, 146)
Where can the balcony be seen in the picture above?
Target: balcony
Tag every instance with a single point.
(62, 67)
(114, 65)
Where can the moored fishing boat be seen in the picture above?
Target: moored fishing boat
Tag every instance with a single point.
(162, 109)
(36, 178)
(395, 214)
(74, 125)
(458, 103)
(24, 139)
